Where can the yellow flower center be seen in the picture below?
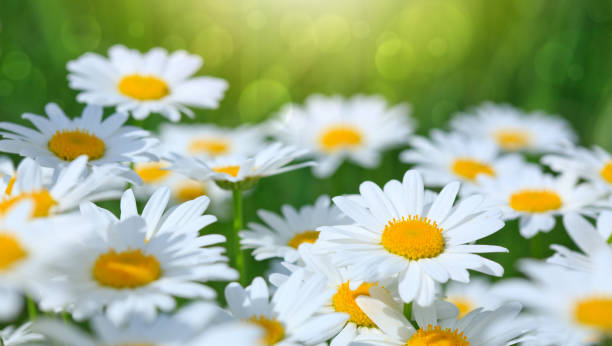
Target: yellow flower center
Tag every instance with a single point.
(413, 238)
(512, 139)
(42, 200)
(209, 146)
(231, 170)
(303, 237)
(68, 145)
(152, 172)
(340, 137)
(188, 190)
(11, 251)
(128, 269)
(273, 329)
(606, 172)
(143, 88)
(344, 301)
(595, 312)
(463, 304)
(535, 201)
(436, 336)
(469, 168)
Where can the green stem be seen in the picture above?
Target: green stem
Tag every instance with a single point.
(535, 245)
(32, 312)
(238, 226)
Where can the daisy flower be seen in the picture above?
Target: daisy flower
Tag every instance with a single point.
(210, 140)
(288, 317)
(11, 336)
(196, 321)
(155, 174)
(334, 129)
(578, 303)
(240, 171)
(438, 324)
(137, 263)
(68, 187)
(535, 198)
(396, 234)
(594, 165)
(512, 129)
(283, 234)
(452, 156)
(59, 140)
(590, 239)
(154, 82)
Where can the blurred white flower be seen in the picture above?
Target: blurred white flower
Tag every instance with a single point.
(11, 336)
(153, 82)
(594, 165)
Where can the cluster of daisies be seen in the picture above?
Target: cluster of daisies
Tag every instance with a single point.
(390, 265)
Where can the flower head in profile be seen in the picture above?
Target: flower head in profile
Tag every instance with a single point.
(334, 129)
(154, 82)
(396, 234)
(438, 324)
(289, 316)
(59, 140)
(535, 198)
(65, 190)
(593, 165)
(240, 171)
(136, 263)
(281, 235)
(513, 130)
(453, 156)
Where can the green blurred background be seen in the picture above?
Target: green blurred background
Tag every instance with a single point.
(440, 55)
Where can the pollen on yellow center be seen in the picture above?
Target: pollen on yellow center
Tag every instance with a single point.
(606, 172)
(209, 146)
(303, 237)
(231, 170)
(143, 88)
(535, 200)
(414, 238)
(595, 312)
(436, 336)
(70, 144)
(470, 168)
(11, 251)
(188, 190)
(152, 172)
(344, 301)
(464, 305)
(340, 137)
(273, 329)
(127, 269)
(512, 139)
(42, 200)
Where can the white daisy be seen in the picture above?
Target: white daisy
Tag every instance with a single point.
(190, 324)
(578, 303)
(334, 129)
(397, 235)
(155, 174)
(154, 82)
(59, 140)
(452, 156)
(68, 187)
(590, 239)
(535, 198)
(11, 336)
(288, 317)
(594, 165)
(137, 263)
(240, 171)
(512, 130)
(438, 324)
(211, 140)
(282, 235)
